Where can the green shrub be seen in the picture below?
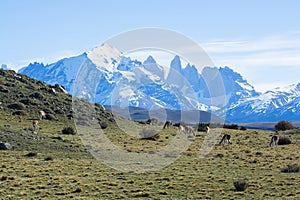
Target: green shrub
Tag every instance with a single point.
(48, 158)
(3, 89)
(31, 154)
(283, 125)
(29, 102)
(240, 185)
(231, 126)
(17, 106)
(284, 141)
(19, 112)
(291, 169)
(149, 134)
(50, 117)
(243, 128)
(68, 131)
(103, 124)
(37, 95)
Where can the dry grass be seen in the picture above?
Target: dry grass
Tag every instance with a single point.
(73, 173)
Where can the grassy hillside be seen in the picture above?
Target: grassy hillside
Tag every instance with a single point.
(49, 164)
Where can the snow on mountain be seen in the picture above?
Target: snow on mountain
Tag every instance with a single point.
(104, 75)
(63, 72)
(271, 106)
(104, 57)
(5, 67)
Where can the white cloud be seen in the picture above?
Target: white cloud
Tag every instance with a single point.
(271, 61)
(271, 43)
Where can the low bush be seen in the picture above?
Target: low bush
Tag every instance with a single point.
(31, 154)
(243, 128)
(50, 117)
(19, 112)
(68, 131)
(283, 126)
(3, 89)
(48, 158)
(284, 141)
(240, 185)
(149, 134)
(231, 126)
(37, 95)
(291, 169)
(103, 124)
(17, 106)
(29, 101)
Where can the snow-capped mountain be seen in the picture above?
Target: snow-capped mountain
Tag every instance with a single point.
(104, 75)
(5, 67)
(273, 105)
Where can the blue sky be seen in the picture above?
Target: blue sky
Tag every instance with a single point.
(259, 39)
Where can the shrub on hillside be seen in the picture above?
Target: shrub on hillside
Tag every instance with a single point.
(149, 134)
(17, 106)
(103, 124)
(29, 101)
(31, 154)
(50, 116)
(99, 107)
(59, 112)
(48, 158)
(3, 89)
(240, 185)
(68, 131)
(19, 112)
(291, 169)
(37, 95)
(243, 128)
(231, 126)
(283, 125)
(284, 141)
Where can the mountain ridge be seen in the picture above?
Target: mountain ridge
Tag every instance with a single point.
(149, 85)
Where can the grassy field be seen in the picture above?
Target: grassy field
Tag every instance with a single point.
(64, 169)
(47, 164)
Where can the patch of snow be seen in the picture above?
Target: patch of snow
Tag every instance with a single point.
(245, 85)
(126, 92)
(130, 76)
(104, 56)
(150, 75)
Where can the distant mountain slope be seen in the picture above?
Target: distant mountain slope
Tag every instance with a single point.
(271, 106)
(104, 75)
(148, 84)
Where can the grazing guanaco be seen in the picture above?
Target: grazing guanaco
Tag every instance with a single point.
(274, 140)
(186, 129)
(35, 124)
(226, 139)
(167, 124)
(207, 129)
(42, 115)
(152, 121)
